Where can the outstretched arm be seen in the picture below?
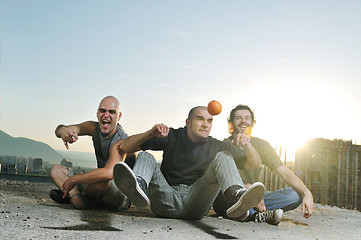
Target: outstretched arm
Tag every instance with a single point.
(296, 183)
(254, 161)
(70, 133)
(132, 144)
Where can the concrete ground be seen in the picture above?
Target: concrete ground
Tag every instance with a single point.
(27, 212)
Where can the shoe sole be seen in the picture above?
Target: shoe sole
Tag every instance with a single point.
(242, 217)
(249, 199)
(126, 182)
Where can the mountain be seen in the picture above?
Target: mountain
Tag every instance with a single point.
(82, 159)
(27, 148)
(24, 147)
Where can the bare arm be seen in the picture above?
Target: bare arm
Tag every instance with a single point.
(132, 144)
(253, 159)
(296, 183)
(70, 133)
(96, 175)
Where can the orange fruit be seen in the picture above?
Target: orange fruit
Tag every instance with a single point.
(214, 107)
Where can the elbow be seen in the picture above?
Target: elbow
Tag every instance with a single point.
(258, 165)
(117, 148)
(252, 165)
(122, 148)
(109, 176)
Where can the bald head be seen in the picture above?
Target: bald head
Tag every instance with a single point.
(108, 115)
(112, 100)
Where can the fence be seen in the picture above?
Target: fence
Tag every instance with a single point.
(272, 180)
(330, 169)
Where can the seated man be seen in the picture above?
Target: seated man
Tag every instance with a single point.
(240, 121)
(100, 189)
(194, 169)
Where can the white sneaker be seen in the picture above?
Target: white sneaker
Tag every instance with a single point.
(270, 216)
(127, 183)
(245, 199)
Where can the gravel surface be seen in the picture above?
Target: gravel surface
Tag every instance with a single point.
(27, 212)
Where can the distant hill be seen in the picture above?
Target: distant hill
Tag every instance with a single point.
(28, 148)
(24, 147)
(83, 159)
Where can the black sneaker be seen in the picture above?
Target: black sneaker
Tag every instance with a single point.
(127, 183)
(242, 217)
(245, 199)
(270, 216)
(57, 196)
(125, 205)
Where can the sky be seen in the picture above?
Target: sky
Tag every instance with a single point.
(295, 63)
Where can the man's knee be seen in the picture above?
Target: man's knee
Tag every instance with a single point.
(287, 199)
(295, 197)
(145, 156)
(56, 170)
(292, 196)
(224, 158)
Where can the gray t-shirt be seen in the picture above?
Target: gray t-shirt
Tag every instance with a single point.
(102, 144)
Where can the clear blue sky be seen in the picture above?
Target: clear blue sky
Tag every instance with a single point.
(296, 63)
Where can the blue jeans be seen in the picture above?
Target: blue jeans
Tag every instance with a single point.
(285, 199)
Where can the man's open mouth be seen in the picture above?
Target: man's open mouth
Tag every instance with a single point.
(106, 123)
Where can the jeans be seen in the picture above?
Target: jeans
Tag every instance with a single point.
(183, 201)
(285, 199)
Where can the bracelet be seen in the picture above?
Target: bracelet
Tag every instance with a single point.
(77, 194)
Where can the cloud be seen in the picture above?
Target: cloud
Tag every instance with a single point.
(180, 34)
(283, 60)
(188, 66)
(132, 78)
(257, 82)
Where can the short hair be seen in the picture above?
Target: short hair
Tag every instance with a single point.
(191, 112)
(233, 112)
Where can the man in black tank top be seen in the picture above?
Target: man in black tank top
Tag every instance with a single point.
(95, 188)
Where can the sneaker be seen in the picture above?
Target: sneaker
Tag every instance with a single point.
(57, 196)
(242, 217)
(270, 216)
(125, 205)
(127, 183)
(245, 199)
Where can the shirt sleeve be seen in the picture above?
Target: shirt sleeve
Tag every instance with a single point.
(122, 133)
(267, 153)
(238, 154)
(157, 144)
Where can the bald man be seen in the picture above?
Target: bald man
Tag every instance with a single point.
(95, 188)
